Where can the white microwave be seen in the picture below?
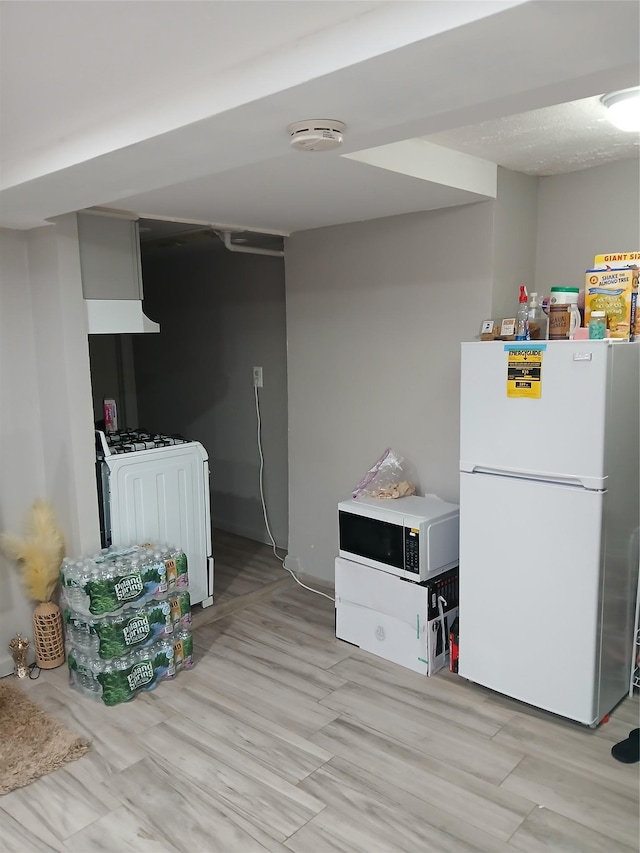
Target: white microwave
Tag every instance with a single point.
(414, 538)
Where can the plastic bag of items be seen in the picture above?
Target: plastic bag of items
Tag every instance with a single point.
(388, 478)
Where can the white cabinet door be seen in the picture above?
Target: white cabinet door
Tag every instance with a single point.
(109, 257)
(530, 591)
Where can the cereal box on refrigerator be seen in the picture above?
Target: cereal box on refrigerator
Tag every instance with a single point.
(612, 286)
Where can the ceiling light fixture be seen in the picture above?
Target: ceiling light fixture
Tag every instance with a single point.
(623, 108)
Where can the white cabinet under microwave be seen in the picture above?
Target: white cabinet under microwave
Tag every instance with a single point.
(415, 537)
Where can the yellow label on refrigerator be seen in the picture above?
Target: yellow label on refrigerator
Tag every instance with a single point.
(524, 370)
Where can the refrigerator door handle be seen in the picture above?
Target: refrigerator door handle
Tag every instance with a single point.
(596, 484)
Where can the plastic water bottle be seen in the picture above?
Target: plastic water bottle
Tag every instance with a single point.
(123, 567)
(538, 320)
(81, 633)
(160, 566)
(65, 569)
(180, 603)
(73, 575)
(182, 580)
(83, 672)
(166, 647)
(85, 571)
(166, 554)
(158, 615)
(522, 317)
(183, 650)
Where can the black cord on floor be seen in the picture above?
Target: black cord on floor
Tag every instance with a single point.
(32, 668)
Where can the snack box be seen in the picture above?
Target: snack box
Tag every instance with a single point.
(617, 260)
(614, 291)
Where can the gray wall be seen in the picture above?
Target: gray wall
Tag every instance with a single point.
(582, 214)
(106, 378)
(376, 312)
(112, 377)
(514, 240)
(46, 436)
(21, 453)
(220, 314)
(64, 387)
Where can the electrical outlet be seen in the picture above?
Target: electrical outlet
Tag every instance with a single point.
(257, 377)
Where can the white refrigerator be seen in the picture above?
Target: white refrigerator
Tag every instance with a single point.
(549, 520)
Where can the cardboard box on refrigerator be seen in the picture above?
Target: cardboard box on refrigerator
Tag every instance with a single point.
(614, 291)
(393, 618)
(612, 286)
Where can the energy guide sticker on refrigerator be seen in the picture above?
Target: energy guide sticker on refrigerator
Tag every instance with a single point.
(524, 370)
(549, 509)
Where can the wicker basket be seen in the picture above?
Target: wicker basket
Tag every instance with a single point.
(48, 635)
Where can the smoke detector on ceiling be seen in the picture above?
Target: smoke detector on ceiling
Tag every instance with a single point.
(316, 134)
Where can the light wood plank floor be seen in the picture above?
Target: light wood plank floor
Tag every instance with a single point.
(244, 570)
(283, 738)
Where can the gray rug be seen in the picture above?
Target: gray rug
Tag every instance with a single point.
(32, 743)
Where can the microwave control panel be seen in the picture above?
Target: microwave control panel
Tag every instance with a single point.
(412, 550)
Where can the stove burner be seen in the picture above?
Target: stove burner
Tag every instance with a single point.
(133, 440)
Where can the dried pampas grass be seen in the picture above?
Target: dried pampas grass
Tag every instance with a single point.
(39, 553)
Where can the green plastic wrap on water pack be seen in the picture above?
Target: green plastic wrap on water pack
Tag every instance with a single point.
(111, 636)
(175, 561)
(180, 603)
(182, 576)
(117, 578)
(108, 594)
(121, 685)
(118, 680)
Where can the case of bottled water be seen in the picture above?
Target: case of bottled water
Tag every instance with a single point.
(127, 615)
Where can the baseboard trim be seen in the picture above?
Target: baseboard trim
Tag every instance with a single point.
(204, 616)
(254, 533)
(317, 583)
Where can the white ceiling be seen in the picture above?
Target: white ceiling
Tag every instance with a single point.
(551, 141)
(179, 109)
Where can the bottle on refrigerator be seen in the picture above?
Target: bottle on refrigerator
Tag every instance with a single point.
(522, 317)
(598, 325)
(538, 320)
(568, 296)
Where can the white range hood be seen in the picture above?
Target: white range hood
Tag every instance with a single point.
(117, 316)
(111, 269)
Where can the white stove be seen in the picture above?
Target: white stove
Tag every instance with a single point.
(155, 488)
